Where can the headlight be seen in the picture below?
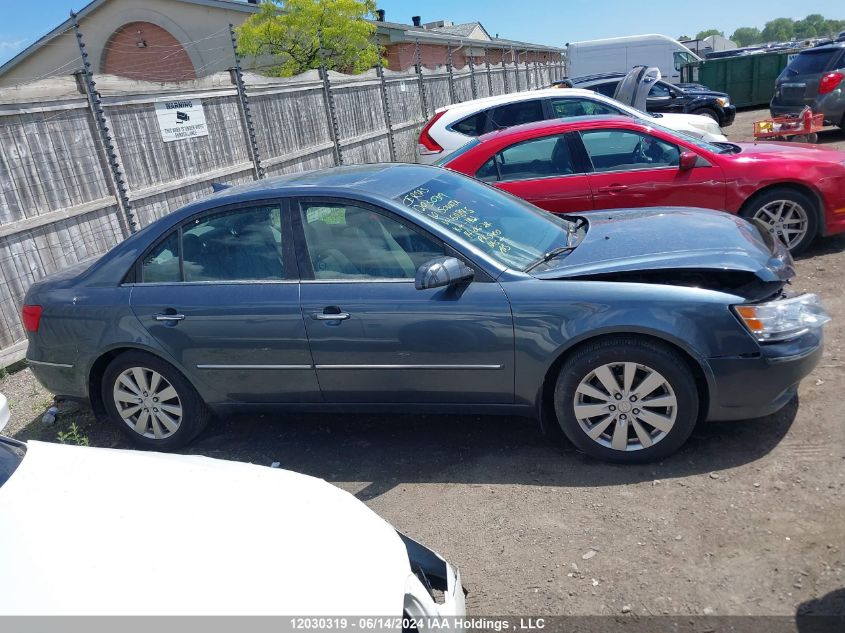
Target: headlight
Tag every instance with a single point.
(784, 318)
(723, 101)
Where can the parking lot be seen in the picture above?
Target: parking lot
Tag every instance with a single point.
(748, 518)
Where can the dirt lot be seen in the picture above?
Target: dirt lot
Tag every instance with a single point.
(749, 518)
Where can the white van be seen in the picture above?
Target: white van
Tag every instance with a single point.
(620, 54)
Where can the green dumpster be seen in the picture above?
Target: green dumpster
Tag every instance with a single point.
(748, 79)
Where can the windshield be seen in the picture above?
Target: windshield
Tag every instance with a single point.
(504, 227)
(692, 140)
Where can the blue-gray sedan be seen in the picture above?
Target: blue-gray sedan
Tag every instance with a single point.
(413, 288)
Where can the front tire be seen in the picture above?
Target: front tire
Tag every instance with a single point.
(626, 399)
(151, 402)
(789, 215)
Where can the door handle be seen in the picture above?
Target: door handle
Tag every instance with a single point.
(616, 188)
(330, 313)
(170, 317)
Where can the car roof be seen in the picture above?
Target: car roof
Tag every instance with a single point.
(393, 179)
(562, 125)
(485, 102)
(820, 49)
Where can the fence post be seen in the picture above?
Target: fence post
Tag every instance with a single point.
(331, 113)
(385, 104)
(243, 106)
(423, 99)
(472, 85)
(516, 68)
(527, 73)
(126, 217)
(487, 66)
(505, 74)
(452, 97)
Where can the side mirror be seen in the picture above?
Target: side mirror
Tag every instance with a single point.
(687, 160)
(441, 272)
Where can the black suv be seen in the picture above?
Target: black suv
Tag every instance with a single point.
(815, 78)
(665, 97)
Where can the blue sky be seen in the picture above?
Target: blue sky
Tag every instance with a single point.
(552, 22)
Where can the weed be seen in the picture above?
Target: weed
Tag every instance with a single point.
(73, 436)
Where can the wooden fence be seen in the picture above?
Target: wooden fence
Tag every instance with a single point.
(59, 205)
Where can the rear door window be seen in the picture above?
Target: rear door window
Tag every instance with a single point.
(518, 113)
(608, 89)
(538, 158)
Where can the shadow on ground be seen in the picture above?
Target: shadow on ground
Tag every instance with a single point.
(822, 615)
(390, 450)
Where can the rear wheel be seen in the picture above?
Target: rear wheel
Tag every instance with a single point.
(789, 215)
(708, 113)
(151, 402)
(626, 400)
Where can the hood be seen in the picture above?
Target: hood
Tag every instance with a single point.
(690, 123)
(672, 239)
(703, 92)
(116, 532)
(779, 150)
(634, 87)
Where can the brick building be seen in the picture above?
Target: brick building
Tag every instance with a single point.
(470, 40)
(178, 40)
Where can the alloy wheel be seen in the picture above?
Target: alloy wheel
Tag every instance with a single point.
(786, 220)
(147, 402)
(625, 406)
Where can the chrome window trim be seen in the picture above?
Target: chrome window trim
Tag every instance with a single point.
(229, 282)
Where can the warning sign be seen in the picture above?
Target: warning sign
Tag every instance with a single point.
(180, 119)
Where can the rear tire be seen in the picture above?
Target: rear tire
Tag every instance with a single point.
(626, 399)
(151, 402)
(708, 113)
(784, 210)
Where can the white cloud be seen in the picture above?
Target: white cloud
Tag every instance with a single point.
(11, 45)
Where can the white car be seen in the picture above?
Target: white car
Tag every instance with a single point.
(94, 531)
(4, 412)
(454, 126)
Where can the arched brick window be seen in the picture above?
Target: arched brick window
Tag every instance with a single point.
(141, 50)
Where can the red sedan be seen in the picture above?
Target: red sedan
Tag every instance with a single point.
(588, 163)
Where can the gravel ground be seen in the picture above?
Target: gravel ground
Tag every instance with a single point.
(747, 519)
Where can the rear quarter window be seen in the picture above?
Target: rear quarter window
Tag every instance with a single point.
(472, 125)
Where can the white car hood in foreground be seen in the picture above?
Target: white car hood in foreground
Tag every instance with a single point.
(100, 531)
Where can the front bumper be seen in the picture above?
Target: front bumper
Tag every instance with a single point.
(433, 589)
(755, 386)
(728, 116)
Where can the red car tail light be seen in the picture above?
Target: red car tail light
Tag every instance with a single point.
(829, 82)
(31, 317)
(427, 144)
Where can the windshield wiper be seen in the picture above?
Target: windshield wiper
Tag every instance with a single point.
(560, 250)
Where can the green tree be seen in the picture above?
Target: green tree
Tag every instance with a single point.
(702, 34)
(811, 26)
(287, 30)
(683, 38)
(778, 30)
(746, 36)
